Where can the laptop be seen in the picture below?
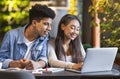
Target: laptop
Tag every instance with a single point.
(98, 60)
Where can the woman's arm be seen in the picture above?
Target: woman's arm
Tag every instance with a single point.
(52, 58)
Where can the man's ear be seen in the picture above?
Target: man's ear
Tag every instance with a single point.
(34, 22)
(62, 26)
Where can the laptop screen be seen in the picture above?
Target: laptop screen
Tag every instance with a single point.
(99, 59)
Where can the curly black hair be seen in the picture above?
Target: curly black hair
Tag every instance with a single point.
(39, 11)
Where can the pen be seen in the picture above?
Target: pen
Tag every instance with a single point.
(46, 69)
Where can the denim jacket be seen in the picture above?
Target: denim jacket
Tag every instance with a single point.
(14, 48)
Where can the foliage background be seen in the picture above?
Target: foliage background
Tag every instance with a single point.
(109, 15)
(110, 25)
(13, 13)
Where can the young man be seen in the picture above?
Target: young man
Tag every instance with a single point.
(26, 47)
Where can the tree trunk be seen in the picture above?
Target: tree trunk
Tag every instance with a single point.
(96, 32)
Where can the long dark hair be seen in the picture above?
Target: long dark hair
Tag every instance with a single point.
(75, 47)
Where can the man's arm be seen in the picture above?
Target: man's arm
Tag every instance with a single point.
(5, 51)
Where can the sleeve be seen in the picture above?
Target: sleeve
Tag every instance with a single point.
(53, 61)
(5, 51)
(43, 55)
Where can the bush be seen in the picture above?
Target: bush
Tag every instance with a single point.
(109, 15)
(13, 13)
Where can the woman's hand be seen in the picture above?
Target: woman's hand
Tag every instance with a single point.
(77, 66)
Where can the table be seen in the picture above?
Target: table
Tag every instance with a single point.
(72, 75)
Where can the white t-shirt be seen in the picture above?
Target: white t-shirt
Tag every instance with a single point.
(29, 45)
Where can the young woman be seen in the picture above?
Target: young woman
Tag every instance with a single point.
(67, 51)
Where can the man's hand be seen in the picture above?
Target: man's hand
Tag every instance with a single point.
(30, 64)
(16, 64)
(27, 64)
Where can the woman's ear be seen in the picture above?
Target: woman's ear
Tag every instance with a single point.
(62, 26)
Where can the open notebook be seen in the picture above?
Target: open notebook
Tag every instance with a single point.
(98, 59)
